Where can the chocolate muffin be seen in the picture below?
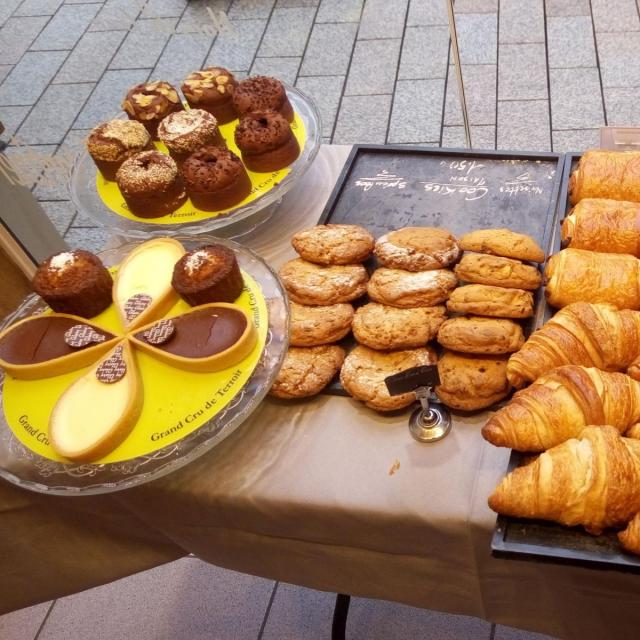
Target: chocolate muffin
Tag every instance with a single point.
(74, 282)
(212, 89)
(266, 141)
(208, 274)
(150, 102)
(260, 94)
(215, 179)
(151, 184)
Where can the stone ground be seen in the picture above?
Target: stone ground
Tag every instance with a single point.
(539, 75)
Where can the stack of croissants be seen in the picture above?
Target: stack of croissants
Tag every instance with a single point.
(581, 410)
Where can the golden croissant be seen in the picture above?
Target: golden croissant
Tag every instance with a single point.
(558, 405)
(593, 482)
(630, 537)
(591, 335)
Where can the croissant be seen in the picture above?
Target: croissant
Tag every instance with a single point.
(591, 335)
(593, 482)
(606, 174)
(610, 226)
(574, 275)
(630, 537)
(558, 405)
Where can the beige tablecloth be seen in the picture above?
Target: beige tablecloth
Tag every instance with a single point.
(303, 492)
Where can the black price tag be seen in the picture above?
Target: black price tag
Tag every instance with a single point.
(411, 379)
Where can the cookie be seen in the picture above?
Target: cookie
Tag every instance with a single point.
(503, 242)
(334, 244)
(364, 371)
(306, 372)
(470, 382)
(379, 326)
(417, 249)
(318, 285)
(399, 288)
(500, 272)
(312, 326)
(485, 300)
(481, 335)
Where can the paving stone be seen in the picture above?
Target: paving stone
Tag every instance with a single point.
(511, 633)
(198, 18)
(524, 125)
(144, 44)
(285, 69)
(417, 110)
(325, 92)
(339, 11)
(618, 54)
(576, 140)
(184, 53)
(621, 15)
(117, 15)
(522, 72)
(163, 8)
(427, 13)
(7, 7)
(567, 8)
(16, 35)
(287, 32)
(373, 67)
(521, 21)
(383, 19)
(12, 118)
(570, 42)
(292, 4)
(66, 27)
(622, 106)
(39, 67)
(245, 9)
(476, 6)
(5, 69)
(236, 49)
(90, 57)
(23, 623)
(38, 8)
(424, 53)
(329, 49)
(362, 119)
(576, 100)
(480, 93)
(477, 38)
(29, 161)
(60, 212)
(482, 137)
(92, 239)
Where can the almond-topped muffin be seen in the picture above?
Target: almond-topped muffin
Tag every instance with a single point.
(150, 102)
(212, 89)
(262, 94)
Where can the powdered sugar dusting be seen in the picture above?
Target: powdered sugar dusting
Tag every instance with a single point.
(195, 260)
(61, 260)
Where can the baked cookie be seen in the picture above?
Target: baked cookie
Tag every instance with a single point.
(399, 288)
(503, 242)
(306, 372)
(485, 300)
(317, 285)
(334, 244)
(382, 327)
(364, 371)
(497, 271)
(417, 249)
(470, 382)
(312, 326)
(481, 335)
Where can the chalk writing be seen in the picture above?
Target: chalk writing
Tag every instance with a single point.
(464, 166)
(523, 183)
(473, 189)
(384, 179)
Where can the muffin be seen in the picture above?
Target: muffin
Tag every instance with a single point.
(74, 282)
(112, 142)
(208, 274)
(151, 184)
(261, 94)
(150, 102)
(266, 141)
(215, 179)
(212, 90)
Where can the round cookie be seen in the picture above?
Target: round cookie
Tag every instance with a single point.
(503, 242)
(485, 300)
(306, 372)
(473, 334)
(382, 327)
(364, 370)
(417, 249)
(334, 244)
(399, 288)
(317, 285)
(312, 326)
(496, 271)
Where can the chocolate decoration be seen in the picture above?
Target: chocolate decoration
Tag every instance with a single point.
(160, 333)
(113, 368)
(82, 335)
(135, 305)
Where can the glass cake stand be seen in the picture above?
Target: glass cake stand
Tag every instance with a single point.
(29, 470)
(233, 223)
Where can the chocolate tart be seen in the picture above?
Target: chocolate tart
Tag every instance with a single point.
(262, 93)
(150, 102)
(212, 89)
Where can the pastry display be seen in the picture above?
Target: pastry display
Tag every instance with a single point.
(503, 242)
(208, 274)
(487, 300)
(307, 371)
(151, 184)
(364, 371)
(112, 142)
(266, 141)
(399, 288)
(150, 102)
(215, 179)
(473, 334)
(74, 282)
(212, 89)
(575, 275)
(417, 249)
(314, 326)
(261, 93)
(334, 244)
(497, 271)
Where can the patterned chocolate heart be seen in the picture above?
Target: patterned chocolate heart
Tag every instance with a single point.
(135, 305)
(113, 368)
(160, 332)
(81, 335)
